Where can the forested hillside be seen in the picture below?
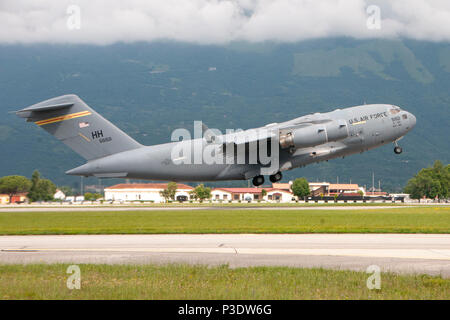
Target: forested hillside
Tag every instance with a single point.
(148, 90)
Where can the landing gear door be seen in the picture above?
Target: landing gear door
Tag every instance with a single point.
(356, 133)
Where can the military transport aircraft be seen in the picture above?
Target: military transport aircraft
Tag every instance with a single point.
(110, 153)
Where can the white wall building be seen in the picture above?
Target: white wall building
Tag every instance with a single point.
(144, 192)
(406, 196)
(236, 194)
(75, 198)
(221, 194)
(279, 195)
(59, 195)
(251, 194)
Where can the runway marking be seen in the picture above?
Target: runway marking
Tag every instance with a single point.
(433, 254)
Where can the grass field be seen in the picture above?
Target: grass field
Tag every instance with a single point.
(211, 204)
(198, 282)
(395, 220)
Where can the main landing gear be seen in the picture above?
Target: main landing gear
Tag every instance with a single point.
(275, 177)
(397, 149)
(259, 180)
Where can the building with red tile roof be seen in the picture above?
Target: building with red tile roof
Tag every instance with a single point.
(251, 194)
(145, 192)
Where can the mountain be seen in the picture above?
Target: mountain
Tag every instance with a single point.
(150, 89)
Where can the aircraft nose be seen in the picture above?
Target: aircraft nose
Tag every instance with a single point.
(412, 120)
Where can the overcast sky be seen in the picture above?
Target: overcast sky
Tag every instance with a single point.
(219, 22)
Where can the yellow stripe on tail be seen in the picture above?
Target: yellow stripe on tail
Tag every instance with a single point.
(63, 118)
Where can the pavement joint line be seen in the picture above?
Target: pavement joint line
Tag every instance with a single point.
(371, 253)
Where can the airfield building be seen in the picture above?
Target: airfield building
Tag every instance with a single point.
(144, 192)
(252, 194)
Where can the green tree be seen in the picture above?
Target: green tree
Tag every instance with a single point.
(46, 189)
(335, 197)
(68, 191)
(12, 185)
(92, 196)
(430, 182)
(361, 193)
(201, 192)
(41, 189)
(300, 187)
(33, 194)
(263, 193)
(170, 191)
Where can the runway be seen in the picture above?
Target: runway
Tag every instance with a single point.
(404, 253)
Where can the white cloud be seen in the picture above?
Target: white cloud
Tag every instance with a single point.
(217, 22)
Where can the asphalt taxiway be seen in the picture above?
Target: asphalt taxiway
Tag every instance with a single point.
(403, 253)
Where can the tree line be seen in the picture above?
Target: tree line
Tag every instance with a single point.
(431, 182)
(300, 188)
(37, 189)
(200, 192)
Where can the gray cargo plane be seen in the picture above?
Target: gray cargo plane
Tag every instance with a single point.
(110, 153)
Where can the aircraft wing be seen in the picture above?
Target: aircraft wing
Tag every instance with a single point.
(303, 123)
(248, 136)
(267, 132)
(260, 134)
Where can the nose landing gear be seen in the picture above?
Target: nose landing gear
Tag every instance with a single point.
(397, 149)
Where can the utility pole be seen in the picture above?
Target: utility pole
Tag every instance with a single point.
(373, 182)
(100, 185)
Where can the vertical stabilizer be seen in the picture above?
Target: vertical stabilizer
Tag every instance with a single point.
(73, 122)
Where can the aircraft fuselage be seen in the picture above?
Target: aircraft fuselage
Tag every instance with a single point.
(361, 128)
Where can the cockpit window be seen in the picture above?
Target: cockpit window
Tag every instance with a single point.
(394, 110)
(405, 116)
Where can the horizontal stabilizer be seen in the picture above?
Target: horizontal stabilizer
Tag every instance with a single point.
(46, 106)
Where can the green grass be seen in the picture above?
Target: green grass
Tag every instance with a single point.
(395, 220)
(43, 281)
(214, 204)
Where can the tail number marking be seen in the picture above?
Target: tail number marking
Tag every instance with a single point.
(98, 134)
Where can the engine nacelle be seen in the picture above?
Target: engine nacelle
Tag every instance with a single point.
(315, 135)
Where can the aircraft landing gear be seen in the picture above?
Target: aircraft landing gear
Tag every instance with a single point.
(258, 180)
(275, 177)
(397, 149)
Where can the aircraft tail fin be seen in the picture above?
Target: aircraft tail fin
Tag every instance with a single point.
(73, 122)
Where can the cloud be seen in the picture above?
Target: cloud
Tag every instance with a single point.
(218, 22)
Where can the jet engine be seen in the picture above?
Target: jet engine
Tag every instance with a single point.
(314, 135)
